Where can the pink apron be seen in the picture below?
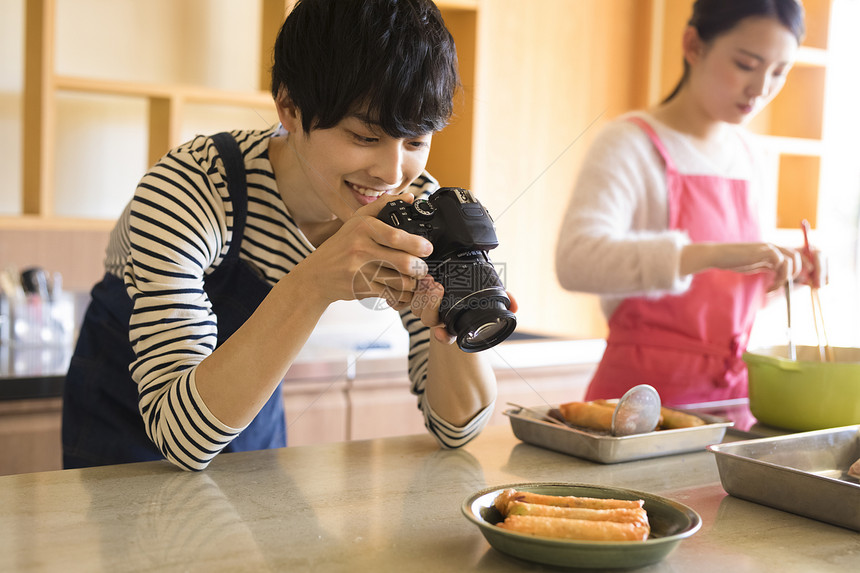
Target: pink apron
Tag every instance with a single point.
(689, 346)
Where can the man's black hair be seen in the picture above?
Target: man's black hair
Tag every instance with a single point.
(392, 60)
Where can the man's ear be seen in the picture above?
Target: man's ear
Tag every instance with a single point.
(692, 45)
(288, 113)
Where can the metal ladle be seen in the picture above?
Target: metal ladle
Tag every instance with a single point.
(637, 412)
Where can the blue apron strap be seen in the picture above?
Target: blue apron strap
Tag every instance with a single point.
(237, 187)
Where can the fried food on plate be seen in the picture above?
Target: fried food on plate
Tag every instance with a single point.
(578, 529)
(673, 419)
(509, 495)
(620, 515)
(854, 470)
(572, 517)
(588, 415)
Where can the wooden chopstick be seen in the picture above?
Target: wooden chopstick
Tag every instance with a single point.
(827, 353)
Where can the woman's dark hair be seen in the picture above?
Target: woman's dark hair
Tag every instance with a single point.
(393, 60)
(712, 18)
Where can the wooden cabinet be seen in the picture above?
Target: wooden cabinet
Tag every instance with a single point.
(30, 435)
(381, 405)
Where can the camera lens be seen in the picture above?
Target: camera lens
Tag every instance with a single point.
(475, 306)
(486, 330)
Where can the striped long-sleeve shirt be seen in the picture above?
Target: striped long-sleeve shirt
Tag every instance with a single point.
(175, 231)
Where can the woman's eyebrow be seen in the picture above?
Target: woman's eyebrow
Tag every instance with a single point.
(760, 58)
(750, 54)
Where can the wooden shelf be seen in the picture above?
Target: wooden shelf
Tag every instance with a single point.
(809, 56)
(793, 145)
(189, 93)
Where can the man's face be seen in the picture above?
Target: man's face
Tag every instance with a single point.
(354, 163)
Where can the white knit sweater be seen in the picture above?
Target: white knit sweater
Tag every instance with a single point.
(614, 239)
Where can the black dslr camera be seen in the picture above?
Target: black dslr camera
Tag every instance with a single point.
(475, 306)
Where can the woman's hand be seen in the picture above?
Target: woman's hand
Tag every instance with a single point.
(743, 258)
(815, 271)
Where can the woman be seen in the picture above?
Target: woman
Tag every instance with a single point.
(662, 222)
(234, 245)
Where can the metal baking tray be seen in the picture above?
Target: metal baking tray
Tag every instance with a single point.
(804, 473)
(604, 448)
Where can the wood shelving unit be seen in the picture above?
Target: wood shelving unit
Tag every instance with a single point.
(450, 159)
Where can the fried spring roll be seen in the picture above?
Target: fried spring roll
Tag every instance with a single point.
(619, 515)
(854, 470)
(507, 496)
(588, 415)
(580, 529)
(673, 419)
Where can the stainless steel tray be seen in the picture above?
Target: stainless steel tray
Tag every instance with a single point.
(804, 473)
(606, 449)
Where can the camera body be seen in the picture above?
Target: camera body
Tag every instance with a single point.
(475, 306)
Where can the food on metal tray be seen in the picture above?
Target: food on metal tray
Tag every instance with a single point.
(509, 495)
(854, 470)
(571, 517)
(578, 529)
(597, 415)
(673, 419)
(588, 415)
(620, 515)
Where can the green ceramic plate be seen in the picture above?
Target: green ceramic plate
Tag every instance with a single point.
(670, 523)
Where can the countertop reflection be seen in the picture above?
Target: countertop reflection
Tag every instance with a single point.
(383, 505)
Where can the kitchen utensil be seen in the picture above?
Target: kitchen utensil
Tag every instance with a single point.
(553, 415)
(637, 411)
(800, 473)
(789, 286)
(825, 352)
(531, 427)
(671, 522)
(35, 282)
(804, 394)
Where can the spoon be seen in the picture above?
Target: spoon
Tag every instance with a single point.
(637, 412)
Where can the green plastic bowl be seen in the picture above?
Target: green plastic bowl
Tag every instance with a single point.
(807, 393)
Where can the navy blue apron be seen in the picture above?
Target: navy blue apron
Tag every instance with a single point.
(101, 421)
